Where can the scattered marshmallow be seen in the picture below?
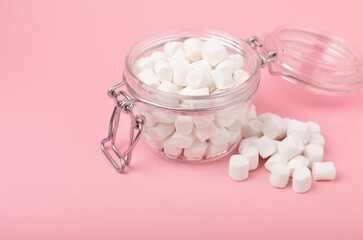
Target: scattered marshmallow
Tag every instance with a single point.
(275, 158)
(300, 129)
(316, 138)
(314, 153)
(246, 142)
(238, 167)
(291, 146)
(279, 175)
(297, 161)
(274, 127)
(251, 154)
(324, 171)
(265, 146)
(314, 127)
(253, 129)
(301, 180)
(196, 150)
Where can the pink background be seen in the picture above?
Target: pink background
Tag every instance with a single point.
(58, 59)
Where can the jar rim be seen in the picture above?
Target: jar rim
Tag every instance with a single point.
(158, 39)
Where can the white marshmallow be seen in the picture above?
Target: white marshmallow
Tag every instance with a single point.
(184, 124)
(225, 119)
(251, 154)
(286, 122)
(181, 68)
(238, 167)
(253, 128)
(223, 79)
(228, 64)
(297, 161)
(189, 91)
(182, 141)
(179, 55)
(234, 136)
(193, 49)
(240, 76)
(203, 121)
(163, 70)
(252, 114)
(264, 116)
(237, 59)
(171, 47)
(317, 138)
(236, 125)
(168, 87)
(141, 64)
(279, 175)
(197, 150)
(291, 146)
(221, 138)
(156, 56)
(163, 117)
(300, 129)
(314, 127)
(275, 158)
(150, 121)
(158, 145)
(198, 79)
(148, 77)
(324, 171)
(301, 180)
(245, 142)
(202, 65)
(161, 131)
(170, 149)
(214, 52)
(314, 153)
(204, 134)
(213, 150)
(265, 146)
(274, 127)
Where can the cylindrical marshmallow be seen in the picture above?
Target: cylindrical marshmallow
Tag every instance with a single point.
(148, 77)
(168, 87)
(265, 146)
(214, 52)
(221, 138)
(225, 119)
(253, 129)
(324, 171)
(251, 154)
(238, 167)
(189, 91)
(193, 49)
(291, 146)
(156, 56)
(296, 162)
(240, 76)
(223, 78)
(279, 175)
(181, 68)
(163, 70)
(141, 64)
(246, 142)
(163, 117)
(317, 138)
(274, 128)
(161, 131)
(314, 127)
(170, 149)
(275, 158)
(300, 129)
(301, 180)
(202, 65)
(182, 141)
(314, 153)
(184, 124)
(198, 79)
(252, 114)
(203, 121)
(213, 150)
(204, 134)
(196, 150)
(171, 47)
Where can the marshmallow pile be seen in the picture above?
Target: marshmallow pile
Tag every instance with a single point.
(194, 68)
(291, 148)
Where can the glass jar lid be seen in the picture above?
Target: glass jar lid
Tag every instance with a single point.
(314, 59)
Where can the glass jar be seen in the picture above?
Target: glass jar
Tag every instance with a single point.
(217, 120)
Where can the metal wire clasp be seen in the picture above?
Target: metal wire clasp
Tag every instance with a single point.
(124, 105)
(271, 57)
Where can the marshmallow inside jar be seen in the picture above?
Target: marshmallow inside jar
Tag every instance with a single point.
(195, 89)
